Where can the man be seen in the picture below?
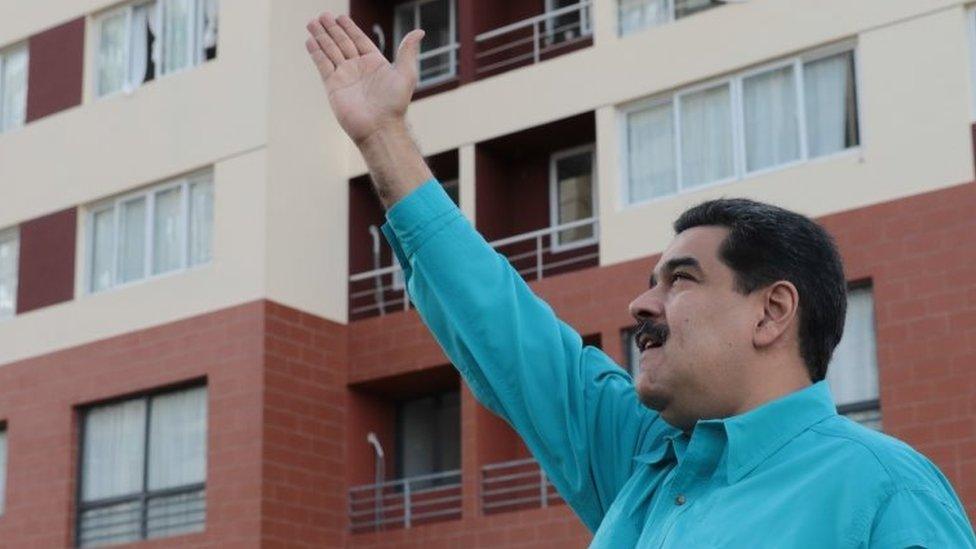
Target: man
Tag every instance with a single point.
(731, 438)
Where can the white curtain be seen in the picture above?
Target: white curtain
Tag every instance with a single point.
(168, 227)
(706, 136)
(132, 240)
(201, 221)
(112, 53)
(635, 15)
(208, 39)
(177, 23)
(9, 247)
(112, 462)
(853, 370)
(828, 88)
(103, 246)
(139, 38)
(770, 114)
(13, 111)
(3, 467)
(178, 439)
(650, 153)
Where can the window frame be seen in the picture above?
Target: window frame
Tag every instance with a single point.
(13, 234)
(670, 9)
(193, 43)
(555, 245)
(872, 404)
(585, 28)
(5, 52)
(184, 183)
(145, 494)
(735, 81)
(454, 45)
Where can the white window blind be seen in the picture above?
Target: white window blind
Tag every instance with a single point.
(795, 110)
(9, 258)
(572, 193)
(853, 370)
(164, 229)
(143, 468)
(141, 40)
(13, 87)
(438, 50)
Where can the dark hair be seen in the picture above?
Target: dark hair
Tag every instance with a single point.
(767, 244)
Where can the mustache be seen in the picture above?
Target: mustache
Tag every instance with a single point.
(655, 332)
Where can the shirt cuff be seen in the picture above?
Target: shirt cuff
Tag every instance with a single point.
(417, 217)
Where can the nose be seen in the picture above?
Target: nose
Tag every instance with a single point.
(647, 306)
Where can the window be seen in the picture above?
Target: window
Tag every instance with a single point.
(429, 436)
(635, 15)
(9, 248)
(631, 352)
(142, 40)
(143, 468)
(3, 465)
(438, 50)
(164, 229)
(853, 370)
(572, 196)
(792, 111)
(569, 25)
(13, 87)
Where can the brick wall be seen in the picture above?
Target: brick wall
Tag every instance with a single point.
(919, 254)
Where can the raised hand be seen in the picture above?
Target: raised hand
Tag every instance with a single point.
(366, 92)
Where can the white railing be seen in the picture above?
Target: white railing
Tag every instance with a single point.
(517, 484)
(532, 38)
(433, 74)
(532, 254)
(405, 502)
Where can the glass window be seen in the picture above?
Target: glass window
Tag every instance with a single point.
(141, 40)
(13, 87)
(572, 194)
(769, 104)
(853, 370)
(635, 15)
(143, 468)
(831, 104)
(567, 26)
(631, 352)
(651, 153)
(706, 136)
(166, 228)
(429, 435)
(9, 258)
(438, 50)
(3, 465)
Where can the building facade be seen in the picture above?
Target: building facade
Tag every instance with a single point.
(204, 340)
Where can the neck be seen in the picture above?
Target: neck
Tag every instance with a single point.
(771, 387)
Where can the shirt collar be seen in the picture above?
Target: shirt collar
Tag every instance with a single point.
(755, 435)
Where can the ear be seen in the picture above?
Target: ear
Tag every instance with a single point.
(781, 304)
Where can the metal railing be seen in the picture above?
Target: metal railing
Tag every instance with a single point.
(532, 254)
(150, 515)
(532, 38)
(405, 502)
(440, 72)
(518, 484)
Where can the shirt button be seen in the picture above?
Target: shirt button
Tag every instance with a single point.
(680, 500)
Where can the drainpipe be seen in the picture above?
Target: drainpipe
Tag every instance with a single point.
(378, 493)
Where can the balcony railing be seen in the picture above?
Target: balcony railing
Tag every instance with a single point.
(513, 485)
(381, 291)
(406, 502)
(531, 40)
(437, 65)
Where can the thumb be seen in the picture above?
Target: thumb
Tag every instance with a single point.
(406, 56)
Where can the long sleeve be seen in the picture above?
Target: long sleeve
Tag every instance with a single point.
(920, 518)
(575, 409)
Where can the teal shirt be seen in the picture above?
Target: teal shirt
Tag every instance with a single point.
(790, 473)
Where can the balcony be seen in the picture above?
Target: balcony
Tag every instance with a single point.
(405, 503)
(471, 39)
(516, 485)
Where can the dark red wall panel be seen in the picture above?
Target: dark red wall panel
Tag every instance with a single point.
(57, 57)
(47, 261)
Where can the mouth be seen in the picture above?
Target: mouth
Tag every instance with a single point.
(651, 336)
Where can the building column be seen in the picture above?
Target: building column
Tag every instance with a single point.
(604, 21)
(608, 161)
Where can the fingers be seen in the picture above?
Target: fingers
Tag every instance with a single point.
(339, 36)
(407, 53)
(325, 42)
(321, 60)
(359, 38)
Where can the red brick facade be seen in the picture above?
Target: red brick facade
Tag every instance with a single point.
(291, 396)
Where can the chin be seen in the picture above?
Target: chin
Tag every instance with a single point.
(652, 395)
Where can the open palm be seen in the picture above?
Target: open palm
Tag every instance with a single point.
(366, 92)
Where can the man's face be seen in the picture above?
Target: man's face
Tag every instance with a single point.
(707, 330)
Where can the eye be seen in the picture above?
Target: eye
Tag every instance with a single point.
(680, 275)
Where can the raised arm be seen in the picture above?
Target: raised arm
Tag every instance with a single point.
(575, 409)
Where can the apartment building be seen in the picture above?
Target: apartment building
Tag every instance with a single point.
(204, 341)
